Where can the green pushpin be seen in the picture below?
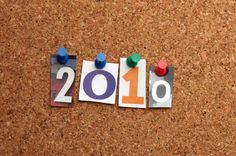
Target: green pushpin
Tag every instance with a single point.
(133, 60)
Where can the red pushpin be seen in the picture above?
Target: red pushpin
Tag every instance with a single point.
(161, 68)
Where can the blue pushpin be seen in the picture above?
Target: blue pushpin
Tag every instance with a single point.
(100, 61)
(62, 56)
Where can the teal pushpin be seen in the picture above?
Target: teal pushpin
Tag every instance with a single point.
(62, 56)
(133, 60)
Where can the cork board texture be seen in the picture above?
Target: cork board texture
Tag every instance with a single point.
(197, 37)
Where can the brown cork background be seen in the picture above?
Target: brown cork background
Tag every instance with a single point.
(197, 37)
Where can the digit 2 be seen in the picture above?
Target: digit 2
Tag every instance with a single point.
(61, 97)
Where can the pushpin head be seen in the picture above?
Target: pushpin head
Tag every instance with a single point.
(62, 56)
(100, 61)
(161, 68)
(133, 60)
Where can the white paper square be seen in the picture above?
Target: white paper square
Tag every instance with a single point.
(125, 85)
(99, 82)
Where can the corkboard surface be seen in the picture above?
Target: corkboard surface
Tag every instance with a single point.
(197, 37)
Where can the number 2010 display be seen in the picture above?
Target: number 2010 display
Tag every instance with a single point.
(99, 84)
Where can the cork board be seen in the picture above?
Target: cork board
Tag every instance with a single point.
(196, 37)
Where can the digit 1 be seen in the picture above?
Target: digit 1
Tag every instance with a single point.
(132, 76)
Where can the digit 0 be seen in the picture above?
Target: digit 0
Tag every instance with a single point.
(167, 92)
(111, 84)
